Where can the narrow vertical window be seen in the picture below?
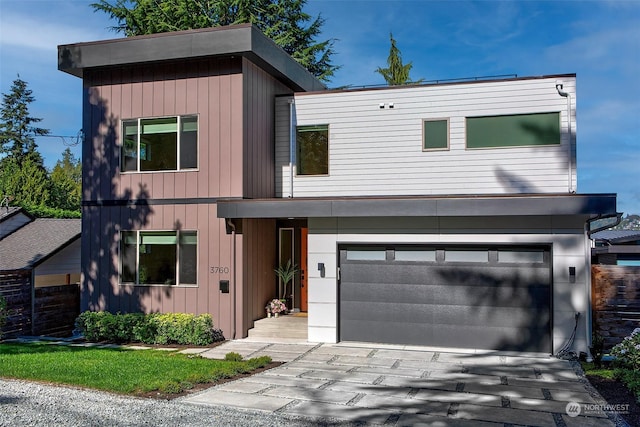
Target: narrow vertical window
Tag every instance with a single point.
(188, 142)
(312, 150)
(188, 257)
(130, 145)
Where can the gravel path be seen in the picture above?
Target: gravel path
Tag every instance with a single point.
(30, 404)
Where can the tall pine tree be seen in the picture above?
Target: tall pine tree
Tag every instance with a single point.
(17, 130)
(396, 73)
(281, 20)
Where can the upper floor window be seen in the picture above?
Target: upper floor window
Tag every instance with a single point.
(312, 150)
(160, 144)
(435, 135)
(159, 257)
(517, 130)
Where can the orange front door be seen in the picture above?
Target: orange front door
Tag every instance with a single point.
(303, 268)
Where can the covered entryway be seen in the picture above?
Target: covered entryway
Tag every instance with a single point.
(496, 298)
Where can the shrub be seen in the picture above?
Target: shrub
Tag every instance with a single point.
(232, 356)
(627, 353)
(170, 328)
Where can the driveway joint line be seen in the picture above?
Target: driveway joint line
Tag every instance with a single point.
(547, 394)
(557, 418)
(357, 398)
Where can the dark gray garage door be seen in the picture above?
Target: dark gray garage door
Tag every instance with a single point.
(496, 298)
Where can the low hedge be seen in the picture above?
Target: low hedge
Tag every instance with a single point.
(155, 328)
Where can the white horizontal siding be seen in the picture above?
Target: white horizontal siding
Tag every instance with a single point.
(375, 151)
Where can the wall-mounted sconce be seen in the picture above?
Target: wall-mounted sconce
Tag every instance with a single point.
(381, 105)
(572, 274)
(321, 269)
(390, 105)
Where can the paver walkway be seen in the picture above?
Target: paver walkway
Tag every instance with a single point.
(399, 386)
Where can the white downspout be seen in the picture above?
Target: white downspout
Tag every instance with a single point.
(559, 87)
(292, 139)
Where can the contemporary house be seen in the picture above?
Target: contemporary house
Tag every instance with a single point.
(440, 214)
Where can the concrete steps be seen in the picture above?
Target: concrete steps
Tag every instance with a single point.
(287, 326)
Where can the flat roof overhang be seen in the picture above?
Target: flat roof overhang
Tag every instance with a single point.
(616, 249)
(235, 40)
(422, 206)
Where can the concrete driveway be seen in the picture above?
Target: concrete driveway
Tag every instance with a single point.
(408, 386)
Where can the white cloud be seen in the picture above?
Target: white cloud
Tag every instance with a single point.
(40, 32)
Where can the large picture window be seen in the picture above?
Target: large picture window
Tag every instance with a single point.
(158, 257)
(516, 130)
(312, 150)
(160, 144)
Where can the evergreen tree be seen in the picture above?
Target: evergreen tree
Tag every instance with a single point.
(281, 20)
(396, 73)
(26, 182)
(17, 130)
(66, 183)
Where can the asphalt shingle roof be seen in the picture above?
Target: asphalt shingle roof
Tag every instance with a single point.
(28, 245)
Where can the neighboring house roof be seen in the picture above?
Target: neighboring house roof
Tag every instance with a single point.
(234, 40)
(37, 241)
(617, 236)
(8, 212)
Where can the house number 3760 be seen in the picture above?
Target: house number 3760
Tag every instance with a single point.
(219, 270)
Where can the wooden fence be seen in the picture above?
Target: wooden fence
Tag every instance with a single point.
(55, 310)
(616, 302)
(15, 287)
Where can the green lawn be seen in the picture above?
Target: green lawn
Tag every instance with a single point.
(118, 370)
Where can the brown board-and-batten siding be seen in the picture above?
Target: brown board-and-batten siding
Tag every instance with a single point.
(15, 288)
(234, 100)
(616, 302)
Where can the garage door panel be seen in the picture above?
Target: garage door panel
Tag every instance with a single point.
(491, 305)
(534, 295)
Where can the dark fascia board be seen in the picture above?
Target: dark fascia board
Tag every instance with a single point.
(235, 40)
(16, 212)
(520, 205)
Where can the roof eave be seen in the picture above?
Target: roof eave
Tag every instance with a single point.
(237, 40)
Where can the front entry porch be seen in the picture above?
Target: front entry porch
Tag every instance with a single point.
(290, 327)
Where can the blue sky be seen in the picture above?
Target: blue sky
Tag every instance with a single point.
(597, 40)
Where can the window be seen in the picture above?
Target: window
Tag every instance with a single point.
(466, 255)
(312, 150)
(520, 256)
(160, 144)
(513, 131)
(158, 257)
(435, 135)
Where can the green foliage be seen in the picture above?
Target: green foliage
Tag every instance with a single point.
(283, 21)
(396, 73)
(181, 328)
(631, 378)
(285, 273)
(627, 353)
(47, 212)
(66, 183)
(4, 313)
(232, 356)
(25, 180)
(170, 328)
(117, 370)
(17, 130)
